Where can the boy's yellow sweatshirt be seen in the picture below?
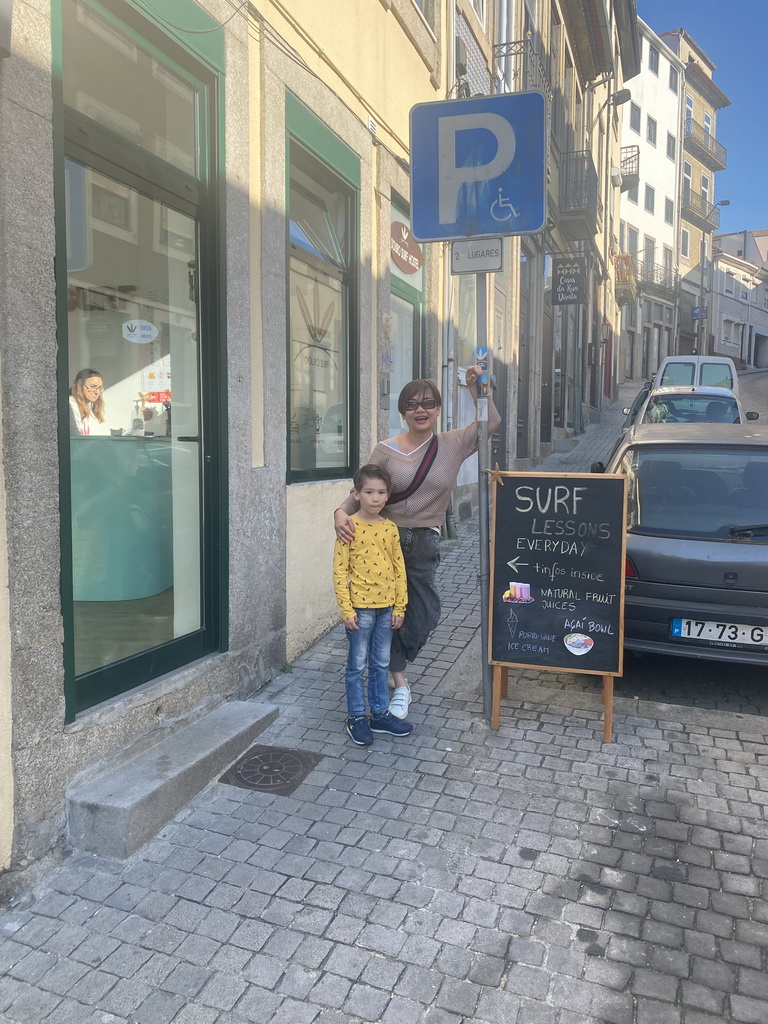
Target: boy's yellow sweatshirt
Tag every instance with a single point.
(369, 572)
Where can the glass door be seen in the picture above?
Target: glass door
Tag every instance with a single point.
(141, 326)
(134, 402)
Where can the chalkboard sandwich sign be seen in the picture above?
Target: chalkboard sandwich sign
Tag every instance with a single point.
(557, 576)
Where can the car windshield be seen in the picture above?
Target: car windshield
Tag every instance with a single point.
(697, 491)
(691, 409)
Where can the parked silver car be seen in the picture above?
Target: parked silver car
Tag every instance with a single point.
(697, 540)
(682, 404)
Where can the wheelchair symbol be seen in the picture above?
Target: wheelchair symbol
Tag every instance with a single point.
(500, 204)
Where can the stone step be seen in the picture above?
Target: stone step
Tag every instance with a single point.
(120, 810)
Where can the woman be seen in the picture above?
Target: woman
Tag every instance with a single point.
(423, 473)
(86, 404)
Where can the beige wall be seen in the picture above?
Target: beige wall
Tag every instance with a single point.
(312, 608)
(380, 57)
(370, 59)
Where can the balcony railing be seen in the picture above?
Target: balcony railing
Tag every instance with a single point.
(658, 276)
(580, 206)
(700, 211)
(625, 278)
(519, 68)
(703, 144)
(630, 167)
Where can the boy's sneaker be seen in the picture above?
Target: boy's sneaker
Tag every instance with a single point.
(400, 702)
(389, 724)
(360, 731)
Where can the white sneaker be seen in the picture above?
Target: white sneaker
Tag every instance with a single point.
(400, 702)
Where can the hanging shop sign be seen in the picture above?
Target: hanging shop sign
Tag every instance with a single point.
(569, 280)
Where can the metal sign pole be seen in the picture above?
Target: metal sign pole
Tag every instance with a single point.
(481, 285)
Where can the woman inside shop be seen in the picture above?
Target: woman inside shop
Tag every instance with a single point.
(423, 466)
(86, 403)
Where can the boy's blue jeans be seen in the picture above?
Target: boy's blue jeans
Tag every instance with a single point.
(369, 645)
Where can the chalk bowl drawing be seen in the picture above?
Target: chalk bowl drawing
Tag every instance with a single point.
(579, 643)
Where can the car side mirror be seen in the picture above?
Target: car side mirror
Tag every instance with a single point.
(753, 415)
(597, 467)
(626, 411)
(648, 385)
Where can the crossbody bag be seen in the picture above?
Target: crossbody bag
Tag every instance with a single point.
(420, 476)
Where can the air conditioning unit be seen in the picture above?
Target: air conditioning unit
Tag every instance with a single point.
(461, 57)
(617, 178)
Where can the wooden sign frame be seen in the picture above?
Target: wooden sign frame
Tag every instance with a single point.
(567, 485)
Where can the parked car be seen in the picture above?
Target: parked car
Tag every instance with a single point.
(707, 371)
(637, 404)
(697, 540)
(692, 405)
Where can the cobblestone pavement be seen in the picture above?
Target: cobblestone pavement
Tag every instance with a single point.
(531, 875)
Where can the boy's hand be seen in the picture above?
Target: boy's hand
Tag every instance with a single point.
(351, 622)
(397, 621)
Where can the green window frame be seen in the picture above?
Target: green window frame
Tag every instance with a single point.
(196, 55)
(322, 274)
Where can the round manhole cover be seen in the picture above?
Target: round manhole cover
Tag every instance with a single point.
(271, 769)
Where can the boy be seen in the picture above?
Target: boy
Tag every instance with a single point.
(370, 585)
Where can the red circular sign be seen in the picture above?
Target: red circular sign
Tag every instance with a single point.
(406, 251)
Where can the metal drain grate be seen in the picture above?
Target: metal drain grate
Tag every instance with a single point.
(277, 770)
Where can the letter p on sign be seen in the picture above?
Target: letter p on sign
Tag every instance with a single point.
(478, 167)
(450, 177)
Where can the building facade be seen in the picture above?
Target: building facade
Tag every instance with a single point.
(739, 298)
(703, 156)
(650, 211)
(206, 222)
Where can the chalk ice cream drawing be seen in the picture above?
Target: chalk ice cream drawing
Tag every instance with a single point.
(578, 643)
(512, 623)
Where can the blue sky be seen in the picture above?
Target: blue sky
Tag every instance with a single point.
(733, 35)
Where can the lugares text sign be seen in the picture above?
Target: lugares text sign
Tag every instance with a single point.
(557, 571)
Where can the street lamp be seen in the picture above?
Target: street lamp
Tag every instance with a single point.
(700, 335)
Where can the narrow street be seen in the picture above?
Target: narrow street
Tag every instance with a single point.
(527, 876)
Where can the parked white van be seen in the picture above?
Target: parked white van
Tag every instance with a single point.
(706, 371)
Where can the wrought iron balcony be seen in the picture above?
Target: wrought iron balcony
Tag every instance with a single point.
(703, 145)
(700, 211)
(580, 206)
(519, 68)
(630, 167)
(658, 278)
(625, 288)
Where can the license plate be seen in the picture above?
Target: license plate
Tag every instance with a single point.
(726, 633)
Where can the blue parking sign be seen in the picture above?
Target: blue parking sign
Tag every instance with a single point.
(478, 167)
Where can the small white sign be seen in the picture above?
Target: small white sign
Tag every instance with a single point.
(477, 256)
(140, 332)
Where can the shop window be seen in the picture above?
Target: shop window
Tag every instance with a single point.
(140, 338)
(321, 273)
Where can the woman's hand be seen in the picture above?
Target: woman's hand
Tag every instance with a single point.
(343, 525)
(472, 376)
(397, 621)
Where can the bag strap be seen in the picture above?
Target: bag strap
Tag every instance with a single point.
(424, 467)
